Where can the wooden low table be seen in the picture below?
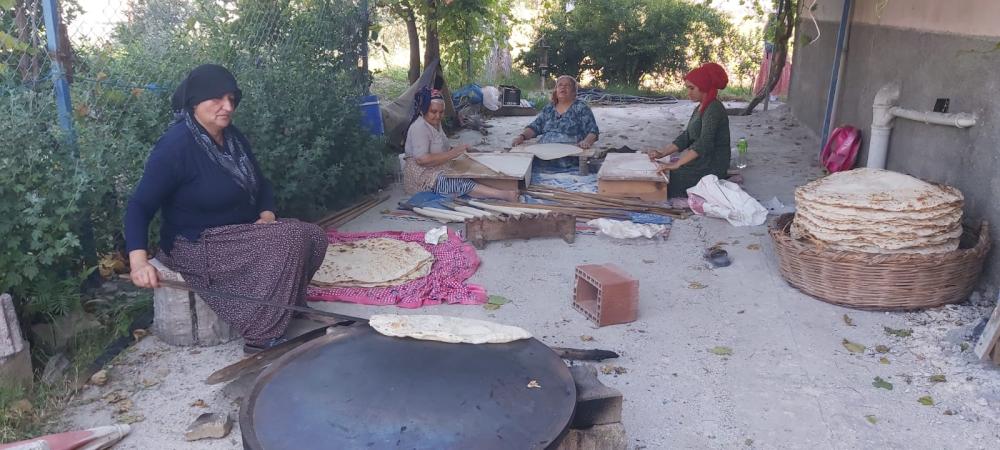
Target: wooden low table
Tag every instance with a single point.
(506, 171)
(631, 175)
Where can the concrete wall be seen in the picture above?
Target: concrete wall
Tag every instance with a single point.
(965, 17)
(928, 65)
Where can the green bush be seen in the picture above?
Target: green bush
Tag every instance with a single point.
(622, 40)
(297, 63)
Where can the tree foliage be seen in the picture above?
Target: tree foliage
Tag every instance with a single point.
(297, 63)
(461, 33)
(622, 40)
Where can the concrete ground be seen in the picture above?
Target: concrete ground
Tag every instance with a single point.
(789, 382)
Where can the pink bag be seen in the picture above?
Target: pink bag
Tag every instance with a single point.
(841, 149)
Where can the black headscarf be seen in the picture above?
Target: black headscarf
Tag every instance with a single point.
(206, 82)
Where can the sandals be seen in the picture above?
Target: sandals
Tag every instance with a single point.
(251, 349)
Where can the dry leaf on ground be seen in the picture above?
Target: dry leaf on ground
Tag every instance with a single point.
(721, 351)
(853, 347)
(882, 384)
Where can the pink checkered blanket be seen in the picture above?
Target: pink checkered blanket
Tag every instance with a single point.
(454, 262)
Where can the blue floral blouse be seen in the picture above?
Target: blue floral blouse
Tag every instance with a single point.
(569, 128)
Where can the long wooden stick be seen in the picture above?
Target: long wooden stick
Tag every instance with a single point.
(197, 290)
(264, 358)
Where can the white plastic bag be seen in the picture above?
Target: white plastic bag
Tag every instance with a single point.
(623, 229)
(436, 236)
(726, 200)
(491, 98)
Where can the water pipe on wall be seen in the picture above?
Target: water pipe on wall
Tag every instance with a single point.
(837, 73)
(883, 113)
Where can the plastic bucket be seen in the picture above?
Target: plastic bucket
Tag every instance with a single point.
(371, 115)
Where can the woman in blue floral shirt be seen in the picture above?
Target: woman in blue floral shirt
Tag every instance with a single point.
(565, 121)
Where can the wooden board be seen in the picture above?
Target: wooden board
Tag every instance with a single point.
(650, 191)
(516, 166)
(503, 185)
(629, 167)
(479, 231)
(987, 346)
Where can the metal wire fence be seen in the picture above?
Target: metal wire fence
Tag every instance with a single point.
(84, 95)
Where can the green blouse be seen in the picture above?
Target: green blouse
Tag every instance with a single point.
(707, 134)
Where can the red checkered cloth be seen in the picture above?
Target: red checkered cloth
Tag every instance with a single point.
(454, 262)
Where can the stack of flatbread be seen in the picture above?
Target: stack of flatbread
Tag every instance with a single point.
(378, 262)
(879, 211)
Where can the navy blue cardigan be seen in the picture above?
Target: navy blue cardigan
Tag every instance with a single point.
(192, 192)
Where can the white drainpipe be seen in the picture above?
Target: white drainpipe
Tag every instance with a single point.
(883, 113)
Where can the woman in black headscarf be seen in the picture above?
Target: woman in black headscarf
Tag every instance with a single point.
(218, 225)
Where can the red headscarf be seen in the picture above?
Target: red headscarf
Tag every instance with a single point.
(709, 78)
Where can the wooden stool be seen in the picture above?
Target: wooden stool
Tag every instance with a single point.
(182, 318)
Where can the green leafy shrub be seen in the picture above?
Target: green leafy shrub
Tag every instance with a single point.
(297, 62)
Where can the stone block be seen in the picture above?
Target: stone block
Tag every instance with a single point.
(596, 404)
(15, 370)
(56, 336)
(598, 437)
(15, 353)
(182, 318)
(11, 342)
(209, 426)
(606, 294)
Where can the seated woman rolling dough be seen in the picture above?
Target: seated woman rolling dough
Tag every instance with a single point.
(427, 151)
(704, 144)
(565, 120)
(218, 227)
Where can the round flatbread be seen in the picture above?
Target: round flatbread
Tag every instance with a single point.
(373, 262)
(550, 151)
(454, 330)
(880, 190)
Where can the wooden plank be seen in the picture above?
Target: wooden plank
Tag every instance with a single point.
(651, 191)
(501, 166)
(628, 167)
(479, 231)
(987, 346)
(503, 185)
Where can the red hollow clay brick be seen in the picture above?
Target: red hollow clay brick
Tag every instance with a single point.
(606, 294)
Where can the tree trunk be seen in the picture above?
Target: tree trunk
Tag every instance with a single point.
(432, 50)
(787, 12)
(411, 32)
(27, 64)
(405, 12)
(64, 53)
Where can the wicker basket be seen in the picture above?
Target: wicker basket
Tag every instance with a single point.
(889, 282)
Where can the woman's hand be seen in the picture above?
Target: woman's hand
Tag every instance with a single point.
(656, 154)
(518, 140)
(266, 217)
(143, 274)
(662, 168)
(583, 144)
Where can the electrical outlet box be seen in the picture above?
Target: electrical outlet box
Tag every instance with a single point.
(941, 105)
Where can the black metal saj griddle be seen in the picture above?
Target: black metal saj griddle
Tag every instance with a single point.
(362, 390)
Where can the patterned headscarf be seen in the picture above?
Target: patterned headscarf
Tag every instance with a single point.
(424, 97)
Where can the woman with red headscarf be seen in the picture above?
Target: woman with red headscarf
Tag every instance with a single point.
(704, 144)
